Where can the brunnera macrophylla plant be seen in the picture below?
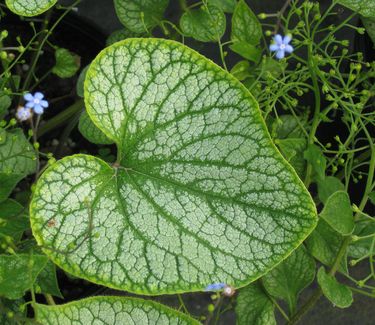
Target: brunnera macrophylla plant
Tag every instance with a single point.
(165, 173)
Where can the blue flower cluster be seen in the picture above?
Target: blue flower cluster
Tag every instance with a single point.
(23, 113)
(281, 45)
(34, 103)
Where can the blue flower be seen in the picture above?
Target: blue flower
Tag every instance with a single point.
(215, 287)
(36, 102)
(281, 45)
(23, 113)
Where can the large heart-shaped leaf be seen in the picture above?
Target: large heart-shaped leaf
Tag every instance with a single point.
(110, 311)
(198, 195)
(29, 8)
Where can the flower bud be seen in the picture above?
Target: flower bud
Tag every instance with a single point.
(262, 16)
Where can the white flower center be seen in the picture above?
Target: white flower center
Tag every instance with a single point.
(282, 46)
(36, 101)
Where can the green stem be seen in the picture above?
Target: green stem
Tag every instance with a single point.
(183, 5)
(41, 79)
(222, 56)
(362, 292)
(182, 304)
(316, 119)
(61, 118)
(216, 306)
(282, 312)
(49, 299)
(34, 60)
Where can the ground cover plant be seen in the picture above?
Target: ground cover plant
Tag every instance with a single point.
(208, 165)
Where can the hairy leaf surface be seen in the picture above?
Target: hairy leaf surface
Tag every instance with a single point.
(29, 8)
(67, 63)
(339, 294)
(198, 195)
(18, 273)
(337, 212)
(254, 307)
(90, 131)
(13, 222)
(290, 277)
(245, 25)
(140, 15)
(364, 7)
(17, 159)
(225, 5)
(324, 244)
(109, 311)
(206, 24)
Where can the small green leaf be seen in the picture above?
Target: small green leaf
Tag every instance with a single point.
(18, 273)
(286, 126)
(8, 182)
(198, 194)
(17, 156)
(120, 35)
(362, 247)
(340, 295)
(290, 277)
(47, 280)
(80, 81)
(241, 70)
(315, 157)
(224, 5)
(245, 25)
(372, 197)
(5, 102)
(13, 222)
(109, 311)
(291, 146)
(274, 67)
(67, 63)
(338, 213)
(29, 8)
(17, 159)
(247, 51)
(328, 186)
(369, 24)
(90, 131)
(206, 24)
(253, 307)
(292, 149)
(139, 16)
(364, 7)
(324, 244)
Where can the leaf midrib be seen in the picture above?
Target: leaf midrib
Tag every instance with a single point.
(208, 194)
